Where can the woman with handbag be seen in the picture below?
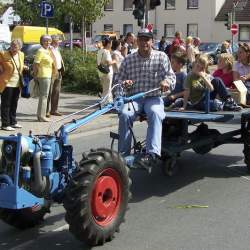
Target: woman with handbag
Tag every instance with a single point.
(105, 69)
(11, 68)
(43, 68)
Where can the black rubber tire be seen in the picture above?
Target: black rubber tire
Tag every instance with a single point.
(23, 218)
(170, 167)
(78, 197)
(204, 149)
(246, 150)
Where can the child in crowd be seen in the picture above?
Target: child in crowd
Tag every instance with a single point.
(198, 82)
(224, 69)
(177, 62)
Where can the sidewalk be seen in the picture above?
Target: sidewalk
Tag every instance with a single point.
(69, 103)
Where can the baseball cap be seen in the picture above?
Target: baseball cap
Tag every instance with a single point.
(145, 32)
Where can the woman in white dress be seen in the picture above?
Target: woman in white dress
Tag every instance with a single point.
(117, 56)
(104, 58)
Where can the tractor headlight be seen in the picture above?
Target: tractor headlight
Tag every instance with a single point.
(9, 148)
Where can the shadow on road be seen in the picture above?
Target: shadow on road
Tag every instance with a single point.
(192, 168)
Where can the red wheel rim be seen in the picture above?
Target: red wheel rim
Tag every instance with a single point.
(106, 197)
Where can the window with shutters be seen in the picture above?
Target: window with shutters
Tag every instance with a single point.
(108, 27)
(127, 28)
(128, 5)
(169, 4)
(244, 32)
(192, 4)
(169, 30)
(109, 6)
(192, 29)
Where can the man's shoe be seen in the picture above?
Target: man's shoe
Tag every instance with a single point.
(231, 105)
(8, 128)
(43, 119)
(48, 115)
(16, 126)
(147, 161)
(56, 113)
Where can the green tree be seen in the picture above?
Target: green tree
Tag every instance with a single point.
(81, 11)
(29, 11)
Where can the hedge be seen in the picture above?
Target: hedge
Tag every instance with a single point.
(80, 72)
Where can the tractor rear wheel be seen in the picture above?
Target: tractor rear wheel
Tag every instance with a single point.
(96, 199)
(24, 218)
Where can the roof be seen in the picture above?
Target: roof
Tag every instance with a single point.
(241, 15)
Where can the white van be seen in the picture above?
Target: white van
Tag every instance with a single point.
(5, 33)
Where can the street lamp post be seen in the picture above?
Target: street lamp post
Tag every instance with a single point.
(146, 13)
(235, 3)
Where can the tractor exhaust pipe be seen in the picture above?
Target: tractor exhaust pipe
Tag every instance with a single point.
(39, 184)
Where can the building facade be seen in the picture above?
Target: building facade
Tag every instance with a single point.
(191, 17)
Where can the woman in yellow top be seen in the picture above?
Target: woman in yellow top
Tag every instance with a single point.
(11, 67)
(43, 68)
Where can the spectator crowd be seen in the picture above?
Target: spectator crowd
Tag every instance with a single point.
(47, 70)
(193, 80)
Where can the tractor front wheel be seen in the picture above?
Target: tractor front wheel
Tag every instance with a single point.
(96, 199)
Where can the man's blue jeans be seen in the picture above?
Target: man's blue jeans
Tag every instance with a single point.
(153, 107)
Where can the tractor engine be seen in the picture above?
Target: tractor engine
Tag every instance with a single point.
(36, 171)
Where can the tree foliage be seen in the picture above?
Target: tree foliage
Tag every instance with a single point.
(78, 10)
(89, 10)
(29, 12)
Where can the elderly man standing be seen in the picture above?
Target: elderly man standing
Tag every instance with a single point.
(53, 98)
(142, 71)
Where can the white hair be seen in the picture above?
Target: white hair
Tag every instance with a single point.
(18, 42)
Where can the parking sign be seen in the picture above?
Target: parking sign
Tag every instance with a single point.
(47, 9)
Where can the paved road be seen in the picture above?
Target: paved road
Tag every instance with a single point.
(157, 219)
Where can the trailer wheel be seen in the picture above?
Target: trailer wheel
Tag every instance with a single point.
(246, 149)
(96, 199)
(170, 166)
(24, 218)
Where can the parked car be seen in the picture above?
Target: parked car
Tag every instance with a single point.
(212, 50)
(29, 51)
(97, 40)
(156, 44)
(99, 37)
(32, 34)
(235, 48)
(4, 45)
(77, 43)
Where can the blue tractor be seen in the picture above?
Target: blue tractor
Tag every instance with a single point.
(37, 170)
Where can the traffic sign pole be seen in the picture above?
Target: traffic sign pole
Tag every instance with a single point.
(47, 25)
(47, 11)
(233, 20)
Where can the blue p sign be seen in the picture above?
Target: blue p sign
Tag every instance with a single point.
(47, 9)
